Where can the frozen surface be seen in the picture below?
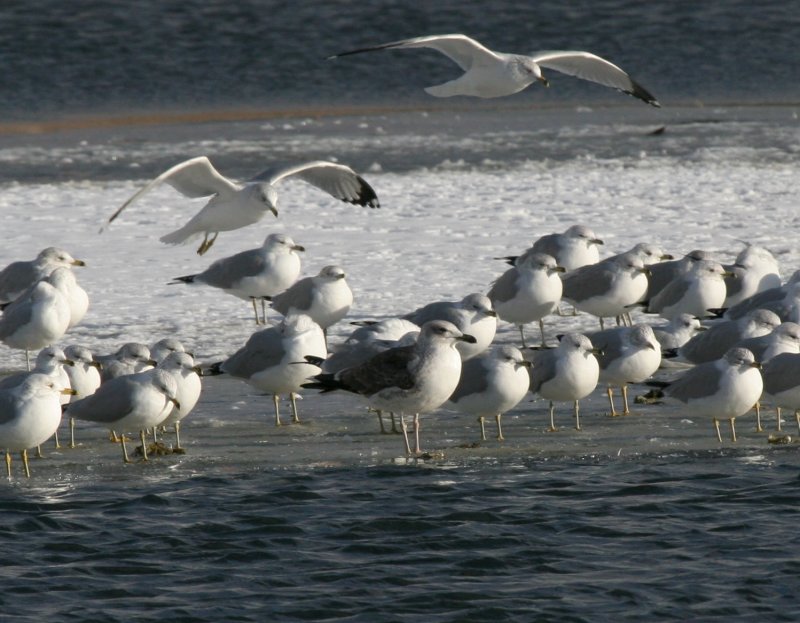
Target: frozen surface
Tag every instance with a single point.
(457, 191)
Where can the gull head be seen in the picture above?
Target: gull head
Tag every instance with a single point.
(531, 67)
(436, 330)
(738, 357)
(266, 195)
(274, 242)
(57, 257)
(510, 355)
(577, 342)
(479, 303)
(331, 273)
(583, 233)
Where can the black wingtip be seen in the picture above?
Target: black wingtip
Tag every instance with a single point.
(717, 312)
(184, 279)
(215, 369)
(638, 91)
(314, 361)
(360, 50)
(367, 197)
(323, 382)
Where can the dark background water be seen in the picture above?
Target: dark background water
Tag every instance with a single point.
(705, 537)
(107, 56)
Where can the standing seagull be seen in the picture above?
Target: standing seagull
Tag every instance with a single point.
(627, 355)
(782, 384)
(661, 273)
(19, 276)
(491, 384)
(528, 291)
(38, 320)
(235, 205)
(255, 273)
(754, 270)
(723, 389)
(574, 248)
(187, 379)
(132, 402)
(495, 74)
(568, 372)
(269, 360)
(29, 415)
(407, 379)
(326, 297)
(53, 362)
(699, 289)
(473, 315)
(608, 288)
(84, 378)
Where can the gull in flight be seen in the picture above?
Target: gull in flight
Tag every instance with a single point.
(495, 74)
(233, 205)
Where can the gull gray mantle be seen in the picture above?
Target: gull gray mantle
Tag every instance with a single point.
(407, 379)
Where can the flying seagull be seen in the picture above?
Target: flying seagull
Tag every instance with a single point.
(495, 74)
(233, 205)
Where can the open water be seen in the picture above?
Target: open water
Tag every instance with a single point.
(646, 519)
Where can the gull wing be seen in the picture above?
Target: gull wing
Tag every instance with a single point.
(263, 350)
(696, 383)
(462, 50)
(192, 178)
(389, 369)
(112, 401)
(298, 297)
(590, 67)
(337, 180)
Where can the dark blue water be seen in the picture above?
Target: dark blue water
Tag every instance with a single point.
(700, 537)
(110, 56)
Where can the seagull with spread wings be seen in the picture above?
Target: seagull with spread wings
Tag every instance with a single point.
(233, 205)
(494, 74)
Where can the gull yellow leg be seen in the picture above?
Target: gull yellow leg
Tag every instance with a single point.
(733, 428)
(552, 428)
(610, 394)
(417, 447)
(716, 426)
(577, 417)
(499, 427)
(405, 433)
(125, 458)
(482, 422)
(25, 466)
(293, 402)
(143, 438)
(275, 400)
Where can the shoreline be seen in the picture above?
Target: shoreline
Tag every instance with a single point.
(173, 116)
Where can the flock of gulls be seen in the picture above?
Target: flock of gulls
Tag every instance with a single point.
(728, 332)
